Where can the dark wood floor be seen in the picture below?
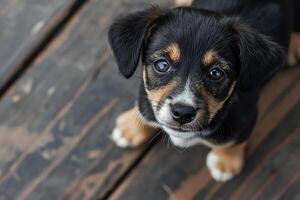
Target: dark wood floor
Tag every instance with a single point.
(61, 92)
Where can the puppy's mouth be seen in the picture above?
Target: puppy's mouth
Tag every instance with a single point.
(180, 133)
(178, 129)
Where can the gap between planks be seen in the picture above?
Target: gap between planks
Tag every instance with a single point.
(132, 166)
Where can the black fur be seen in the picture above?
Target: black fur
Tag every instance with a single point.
(252, 36)
(126, 37)
(260, 58)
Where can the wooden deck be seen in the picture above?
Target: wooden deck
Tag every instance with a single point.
(61, 92)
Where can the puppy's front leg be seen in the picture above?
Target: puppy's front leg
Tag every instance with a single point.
(131, 129)
(226, 162)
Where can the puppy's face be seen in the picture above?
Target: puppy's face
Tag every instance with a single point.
(190, 71)
(193, 62)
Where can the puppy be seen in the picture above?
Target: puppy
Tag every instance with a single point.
(203, 68)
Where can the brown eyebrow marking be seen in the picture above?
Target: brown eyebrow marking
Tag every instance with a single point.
(209, 57)
(172, 50)
(212, 56)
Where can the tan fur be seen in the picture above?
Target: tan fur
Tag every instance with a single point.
(157, 95)
(294, 50)
(172, 50)
(209, 57)
(231, 159)
(134, 128)
(148, 73)
(213, 105)
(183, 2)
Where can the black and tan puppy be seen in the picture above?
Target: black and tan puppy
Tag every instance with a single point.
(203, 68)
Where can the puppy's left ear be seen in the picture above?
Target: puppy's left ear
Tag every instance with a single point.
(127, 36)
(260, 58)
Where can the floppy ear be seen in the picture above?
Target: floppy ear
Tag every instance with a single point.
(260, 57)
(126, 37)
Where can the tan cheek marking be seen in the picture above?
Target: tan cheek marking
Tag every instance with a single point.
(231, 158)
(174, 52)
(213, 105)
(209, 57)
(149, 73)
(157, 95)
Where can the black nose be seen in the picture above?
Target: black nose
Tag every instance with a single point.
(183, 113)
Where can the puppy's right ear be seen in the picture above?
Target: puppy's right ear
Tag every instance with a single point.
(127, 35)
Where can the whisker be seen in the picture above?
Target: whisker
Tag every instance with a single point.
(156, 135)
(164, 136)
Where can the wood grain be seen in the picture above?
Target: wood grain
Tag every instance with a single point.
(26, 26)
(56, 119)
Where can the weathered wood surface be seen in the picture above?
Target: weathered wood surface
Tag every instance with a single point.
(56, 120)
(273, 165)
(25, 27)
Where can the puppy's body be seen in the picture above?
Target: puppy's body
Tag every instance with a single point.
(203, 68)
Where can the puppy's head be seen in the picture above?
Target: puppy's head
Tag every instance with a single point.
(194, 62)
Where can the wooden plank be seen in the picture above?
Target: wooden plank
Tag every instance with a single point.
(55, 121)
(88, 146)
(271, 165)
(25, 28)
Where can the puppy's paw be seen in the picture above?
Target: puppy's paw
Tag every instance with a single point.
(126, 137)
(131, 130)
(212, 162)
(222, 169)
(119, 139)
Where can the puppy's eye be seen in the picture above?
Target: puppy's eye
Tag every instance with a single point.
(161, 66)
(216, 73)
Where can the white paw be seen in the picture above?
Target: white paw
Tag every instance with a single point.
(119, 139)
(211, 161)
